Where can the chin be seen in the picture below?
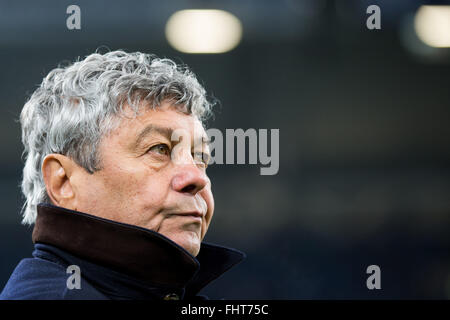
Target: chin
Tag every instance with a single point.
(194, 250)
(189, 242)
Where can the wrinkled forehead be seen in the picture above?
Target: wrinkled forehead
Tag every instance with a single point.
(165, 120)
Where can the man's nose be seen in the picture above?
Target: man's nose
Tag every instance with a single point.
(189, 179)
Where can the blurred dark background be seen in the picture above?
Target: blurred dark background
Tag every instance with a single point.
(364, 138)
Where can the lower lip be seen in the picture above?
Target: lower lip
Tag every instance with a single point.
(195, 218)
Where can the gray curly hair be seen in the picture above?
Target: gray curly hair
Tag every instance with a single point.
(75, 106)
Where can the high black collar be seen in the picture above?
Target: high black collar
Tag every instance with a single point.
(137, 252)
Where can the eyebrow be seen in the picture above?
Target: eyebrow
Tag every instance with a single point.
(164, 131)
(150, 129)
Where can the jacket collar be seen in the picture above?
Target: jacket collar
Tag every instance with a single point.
(138, 252)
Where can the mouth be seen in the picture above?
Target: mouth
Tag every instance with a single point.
(194, 215)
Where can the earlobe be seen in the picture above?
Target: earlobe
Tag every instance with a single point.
(56, 170)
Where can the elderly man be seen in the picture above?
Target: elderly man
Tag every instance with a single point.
(115, 182)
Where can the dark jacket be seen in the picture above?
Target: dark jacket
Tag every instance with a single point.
(116, 261)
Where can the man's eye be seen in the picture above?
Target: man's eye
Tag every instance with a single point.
(162, 149)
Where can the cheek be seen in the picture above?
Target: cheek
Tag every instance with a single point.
(148, 197)
(132, 196)
(122, 184)
(126, 188)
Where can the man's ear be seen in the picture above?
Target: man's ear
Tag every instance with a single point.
(57, 170)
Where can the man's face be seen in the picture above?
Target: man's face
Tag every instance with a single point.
(148, 180)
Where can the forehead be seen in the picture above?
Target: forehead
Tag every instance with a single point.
(166, 117)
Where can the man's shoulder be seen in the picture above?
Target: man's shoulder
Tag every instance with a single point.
(35, 278)
(40, 279)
